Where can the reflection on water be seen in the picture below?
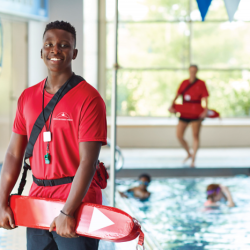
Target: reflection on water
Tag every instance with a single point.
(175, 216)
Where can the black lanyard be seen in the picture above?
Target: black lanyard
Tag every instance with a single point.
(47, 155)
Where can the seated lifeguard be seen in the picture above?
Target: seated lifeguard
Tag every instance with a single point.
(140, 191)
(216, 193)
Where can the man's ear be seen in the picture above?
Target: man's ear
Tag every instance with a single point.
(75, 54)
(41, 53)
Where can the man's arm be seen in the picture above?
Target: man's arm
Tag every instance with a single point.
(171, 109)
(89, 153)
(9, 175)
(204, 113)
(227, 194)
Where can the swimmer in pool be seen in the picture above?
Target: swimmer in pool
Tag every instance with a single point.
(140, 191)
(215, 193)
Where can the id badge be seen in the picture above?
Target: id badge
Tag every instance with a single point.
(47, 136)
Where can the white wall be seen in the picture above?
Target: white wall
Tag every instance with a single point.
(72, 12)
(90, 46)
(150, 132)
(36, 68)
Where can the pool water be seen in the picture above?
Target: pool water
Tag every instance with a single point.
(175, 216)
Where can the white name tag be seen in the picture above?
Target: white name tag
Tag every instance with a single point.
(46, 136)
(187, 97)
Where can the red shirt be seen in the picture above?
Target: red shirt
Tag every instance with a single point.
(194, 93)
(79, 116)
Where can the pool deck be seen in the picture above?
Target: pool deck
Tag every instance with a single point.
(168, 162)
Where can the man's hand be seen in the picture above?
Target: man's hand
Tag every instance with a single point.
(172, 109)
(65, 226)
(6, 218)
(203, 115)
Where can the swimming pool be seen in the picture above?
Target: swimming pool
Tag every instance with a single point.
(175, 217)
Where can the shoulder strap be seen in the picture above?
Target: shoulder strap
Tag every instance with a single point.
(39, 124)
(189, 86)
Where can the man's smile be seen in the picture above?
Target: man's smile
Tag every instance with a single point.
(55, 59)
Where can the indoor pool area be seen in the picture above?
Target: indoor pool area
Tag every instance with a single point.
(175, 217)
(134, 119)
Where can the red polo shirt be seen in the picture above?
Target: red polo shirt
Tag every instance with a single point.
(80, 116)
(194, 93)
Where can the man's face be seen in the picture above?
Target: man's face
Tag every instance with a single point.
(58, 50)
(193, 72)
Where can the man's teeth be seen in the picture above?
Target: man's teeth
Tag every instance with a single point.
(55, 59)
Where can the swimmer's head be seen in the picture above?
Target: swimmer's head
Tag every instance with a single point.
(144, 179)
(193, 69)
(214, 192)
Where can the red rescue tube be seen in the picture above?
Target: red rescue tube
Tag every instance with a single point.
(95, 221)
(194, 109)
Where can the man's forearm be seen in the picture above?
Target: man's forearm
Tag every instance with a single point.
(9, 175)
(175, 99)
(206, 103)
(80, 186)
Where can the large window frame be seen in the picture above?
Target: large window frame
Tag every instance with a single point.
(190, 22)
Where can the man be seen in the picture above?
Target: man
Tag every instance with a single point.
(77, 128)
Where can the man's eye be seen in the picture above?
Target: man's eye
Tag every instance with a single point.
(63, 45)
(47, 45)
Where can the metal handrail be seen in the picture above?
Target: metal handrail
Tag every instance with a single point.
(119, 159)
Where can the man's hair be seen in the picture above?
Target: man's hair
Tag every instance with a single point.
(145, 176)
(194, 65)
(61, 25)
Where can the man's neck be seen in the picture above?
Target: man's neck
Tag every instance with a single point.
(192, 80)
(56, 80)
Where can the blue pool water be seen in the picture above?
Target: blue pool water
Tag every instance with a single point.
(175, 216)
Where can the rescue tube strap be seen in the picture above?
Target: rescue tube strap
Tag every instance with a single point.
(40, 122)
(192, 101)
(141, 240)
(190, 85)
(52, 182)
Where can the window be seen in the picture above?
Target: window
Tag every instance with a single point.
(159, 39)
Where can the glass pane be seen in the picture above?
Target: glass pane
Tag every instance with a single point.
(141, 10)
(150, 93)
(110, 10)
(216, 11)
(153, 45)
(221, 45)
(110, 45)
(144, 93)
(229, 92)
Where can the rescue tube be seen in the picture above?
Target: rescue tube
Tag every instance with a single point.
(94, 221)
(194, 110)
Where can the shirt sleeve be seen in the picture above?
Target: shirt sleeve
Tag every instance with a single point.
(204, 91)
(180, 89)
(93, 124)
(19, 125)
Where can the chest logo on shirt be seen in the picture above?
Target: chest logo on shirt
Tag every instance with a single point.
(63, 117)
(187, 97)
